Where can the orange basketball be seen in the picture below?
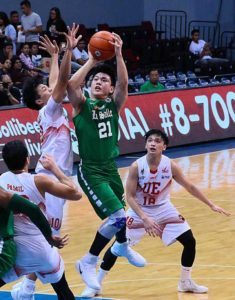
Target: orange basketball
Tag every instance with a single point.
(100, 47)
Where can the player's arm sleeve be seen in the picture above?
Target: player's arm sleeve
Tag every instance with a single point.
(20, 205)
(53, 110)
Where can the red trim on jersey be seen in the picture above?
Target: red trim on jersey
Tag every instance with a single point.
(43, 274)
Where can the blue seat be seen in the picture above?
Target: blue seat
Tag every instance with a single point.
(225, 80)
(203, 82)
(181, 84)
(193, 84)
(214, 81)
(169, 85)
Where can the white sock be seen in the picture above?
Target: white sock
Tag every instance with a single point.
(101, 274)
(90, 258)
(29, 285)
(185, 273)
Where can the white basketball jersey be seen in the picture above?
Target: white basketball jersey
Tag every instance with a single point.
(23, 184)
(153, 186)
(55, 136)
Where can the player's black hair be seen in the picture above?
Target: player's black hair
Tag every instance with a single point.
(14, 154)
(157, 132)
(195, 31)
(30, 94)
(103, 68)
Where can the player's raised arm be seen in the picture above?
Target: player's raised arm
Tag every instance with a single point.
(75, 94)
(53, 49)
(65, 67)
(151, 227)
(121, 88)
(193, 190)
(65, 188)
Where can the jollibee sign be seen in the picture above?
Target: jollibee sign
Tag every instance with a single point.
(187, 116)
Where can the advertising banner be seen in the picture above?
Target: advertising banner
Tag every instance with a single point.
(186, 116)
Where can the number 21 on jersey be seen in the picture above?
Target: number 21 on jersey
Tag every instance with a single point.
(104, 129)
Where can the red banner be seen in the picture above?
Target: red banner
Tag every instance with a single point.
(187, 116)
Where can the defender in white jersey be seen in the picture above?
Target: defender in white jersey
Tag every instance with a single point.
(34, 254)
(54, 126)
(151, 211)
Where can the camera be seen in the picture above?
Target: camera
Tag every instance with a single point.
(5, 85)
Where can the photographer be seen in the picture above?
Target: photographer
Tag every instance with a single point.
(9, 95)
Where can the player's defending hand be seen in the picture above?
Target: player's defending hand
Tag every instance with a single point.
(220, 210)
(71, 38)
(48, 162)
(151, 227)
(58, 242)
(51, 47)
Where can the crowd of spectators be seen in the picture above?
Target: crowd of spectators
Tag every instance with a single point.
(21, 56)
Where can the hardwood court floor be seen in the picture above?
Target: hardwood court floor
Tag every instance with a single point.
(214, 174)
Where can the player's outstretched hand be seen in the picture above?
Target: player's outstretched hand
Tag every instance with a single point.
(48, 162)
(58, 242)
(220, 210)
(152, 228)
(46, 44)
(71, 38)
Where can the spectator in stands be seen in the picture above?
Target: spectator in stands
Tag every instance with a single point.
(153, 84)
(7, 31)
(80, 55)
(9, 95)
(15, 19)
(25, 57)
(31, 22)
(55, 25)
(7, 52)
(19, 73)
(202, 50)
(35, 56)
(5, 67)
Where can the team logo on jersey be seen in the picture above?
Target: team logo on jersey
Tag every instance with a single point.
(165, 170)
(108, 100)
(165, 177)
(99, 107)
(142, 173)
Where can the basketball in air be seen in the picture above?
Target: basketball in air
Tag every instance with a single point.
(100, 46)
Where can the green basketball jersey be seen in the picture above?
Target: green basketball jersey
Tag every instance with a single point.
(97, 130)
(6, 223)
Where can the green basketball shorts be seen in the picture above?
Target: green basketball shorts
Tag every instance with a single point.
(7, 255)
(102, 184)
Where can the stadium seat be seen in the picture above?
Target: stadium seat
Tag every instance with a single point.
(191, 74)
(193, 83)
(225, 80)
(171, 76)
(203, 82)
(214, 81)
(181, 76)
(169, 85)
(181, 84)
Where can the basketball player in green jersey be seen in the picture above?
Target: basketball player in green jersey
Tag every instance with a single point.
(96, 125)
(10, 203)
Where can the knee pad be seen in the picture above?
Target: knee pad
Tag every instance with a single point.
(118, 219)
(113, 224)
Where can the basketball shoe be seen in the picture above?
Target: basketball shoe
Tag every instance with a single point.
(123, 249)
(19, 293)
(87, 269)
(189, 285)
